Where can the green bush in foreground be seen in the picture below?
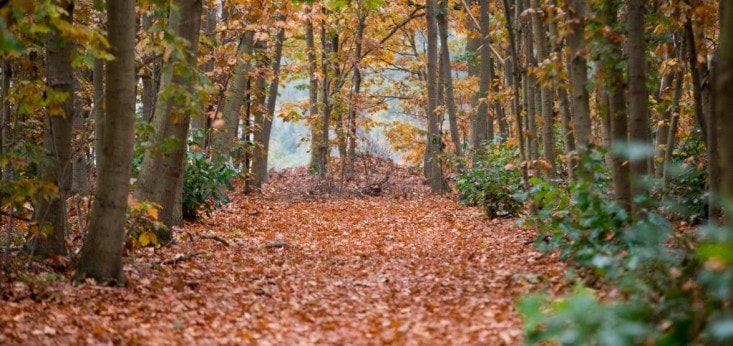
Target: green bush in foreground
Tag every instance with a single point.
(670, 288)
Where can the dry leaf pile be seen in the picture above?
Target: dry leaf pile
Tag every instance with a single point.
(276, 270)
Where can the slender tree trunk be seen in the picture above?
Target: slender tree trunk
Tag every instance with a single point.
(715, 133)
(50, 214)
(530, 86)
(7, 75)
(310, 41)
(160, 172)
(101, 257)
(579, 76)
(724, 101)
(447, 80)
(638, 93)
(150, 76)
(259, 111)
(674, 118)
(434, 140)
(695, 76)
(99, 109)
(512, 68)
(482, 118)
(323, 149)
(222, 138)
(546, 93)
(80, 164)
(354, 101)
(210, 16)
(271, 103)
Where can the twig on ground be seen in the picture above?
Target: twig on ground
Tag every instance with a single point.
(214, 237)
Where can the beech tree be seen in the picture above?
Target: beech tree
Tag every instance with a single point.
(51, 214)
(101, 257)
(172, 118)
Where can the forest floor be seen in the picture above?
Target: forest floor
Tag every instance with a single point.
(301, 263)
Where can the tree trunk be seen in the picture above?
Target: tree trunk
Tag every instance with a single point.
(222, 138)
(434, 140)
(99, 112)
(447, 80)
(259, 111)
(323, 149)
(546, 93)
(638, 93)
(724, 101)
(80, 164)
(530, 86)
(696, 77)
(271, 103)
(160, 171)
(210, 16)
(511, 68)
(579, 77)
(50, 214)
(310, 41)
(355, 97)
(482, 118)
(101, 257)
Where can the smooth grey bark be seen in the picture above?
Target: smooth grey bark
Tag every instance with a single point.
(222, 139)
(446, 79)
(50, 214)
(160, 172)
(434, 141)
(101, 257)
(530, 86)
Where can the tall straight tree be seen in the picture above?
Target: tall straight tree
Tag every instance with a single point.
(310, 41)
(579, 75)
(355, 90)
(546, 93)
(161, 171)
(638, 93)
(261, 169)
(724, 101)
(226, 133)
(482, 121)
(434, 141)
(611, 63)
(51, 214)
(101, 257)
(446, 79)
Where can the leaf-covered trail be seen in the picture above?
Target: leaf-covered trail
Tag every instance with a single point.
(338, 270)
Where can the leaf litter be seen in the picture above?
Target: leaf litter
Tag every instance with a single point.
(295, 266)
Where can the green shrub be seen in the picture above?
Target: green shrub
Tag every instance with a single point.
(494, 182)
(205, 182)
(667, 289)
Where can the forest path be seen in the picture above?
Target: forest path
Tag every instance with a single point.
(413, 269)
